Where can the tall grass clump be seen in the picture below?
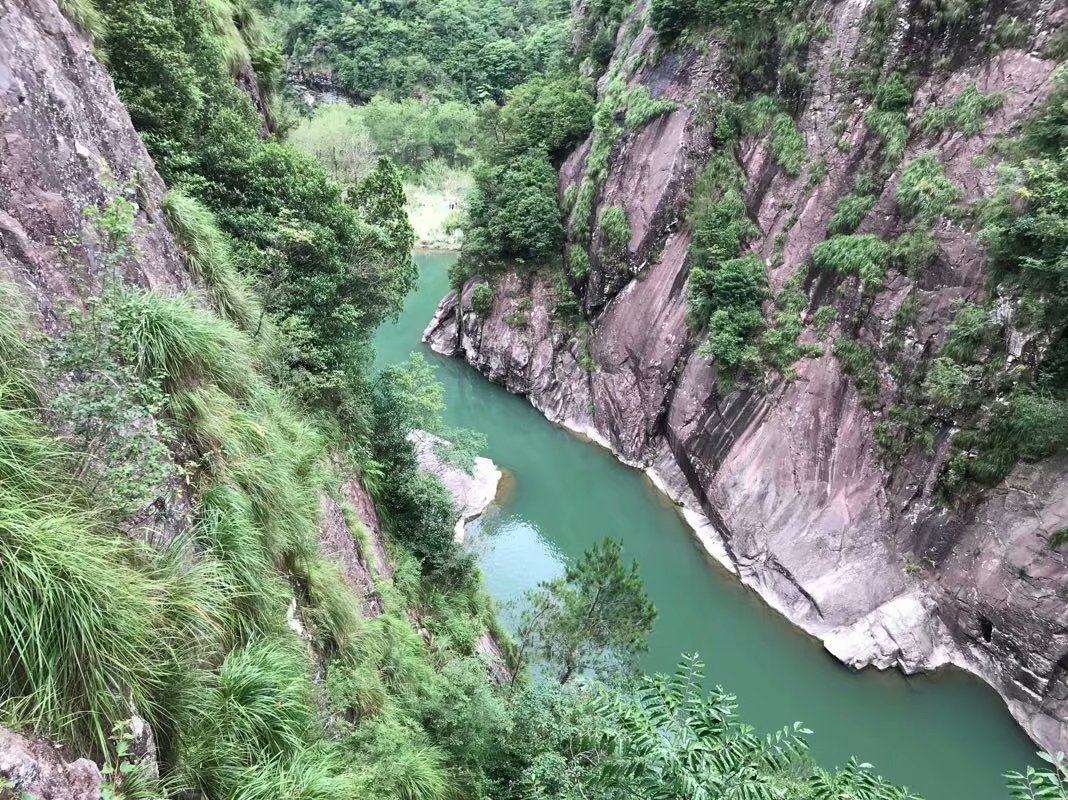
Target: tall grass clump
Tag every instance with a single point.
(208, 257)
(80, 626)
(256, 711)
(924, 192)
(258, 594)
(864, 255)
(173, 338)
(219, 15)
(965, 113)
(84, 15)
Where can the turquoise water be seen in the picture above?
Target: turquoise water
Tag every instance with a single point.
(947, 737)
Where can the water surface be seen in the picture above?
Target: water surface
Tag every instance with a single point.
(947, 737)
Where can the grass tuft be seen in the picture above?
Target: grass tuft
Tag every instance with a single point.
(207, 254)
(172, 338)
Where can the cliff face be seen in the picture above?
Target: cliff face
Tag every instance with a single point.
(67, 144)
(783, 483)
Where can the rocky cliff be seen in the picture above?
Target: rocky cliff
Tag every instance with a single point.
(781, 478)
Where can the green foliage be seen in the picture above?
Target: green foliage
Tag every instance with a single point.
(859, 362)
(84, 15)
(336, 136)
(1030, 426)
(413, 132)
(787, 145)
(482, 299)
(78, 618)
(876, 27)
(895, 434)
(669, 17)
(208, 257)
(594, 619)
(778, 344)
(417, 507)
(887, 117)
(965, 113)
(914, 250)
(461, 49)
(824, 318)
(851, 209)
(513, 215)
(924, 192)
(1009, 32)
(547, 114)
(108, 410)
(864, 255)
(1051, 782)
(614, 230)
(642, 107)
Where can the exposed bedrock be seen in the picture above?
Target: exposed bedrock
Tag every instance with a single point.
(782, 482)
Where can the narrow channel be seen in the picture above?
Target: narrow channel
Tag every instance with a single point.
(946, 737)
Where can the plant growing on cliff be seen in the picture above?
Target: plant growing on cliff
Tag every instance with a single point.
(863, 255)
(851, 209)
(924, 192)
(482, 299)
(615, 235)
(965, 113)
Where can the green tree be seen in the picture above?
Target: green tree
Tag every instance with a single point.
(597, 617)
(380, 196)
(670, 17)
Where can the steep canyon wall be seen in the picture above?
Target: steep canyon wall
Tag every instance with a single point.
(781, 478)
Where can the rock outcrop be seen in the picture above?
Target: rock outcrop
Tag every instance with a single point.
(782, 483)
(472, 492)
(37, 770)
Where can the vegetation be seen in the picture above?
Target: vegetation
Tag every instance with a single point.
(455, 50)
(851, 209)
(595, 619)
(251, 401)
(863, 255)
(924, 192)
(965, 113)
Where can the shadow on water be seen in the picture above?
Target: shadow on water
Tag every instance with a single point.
(946, 736)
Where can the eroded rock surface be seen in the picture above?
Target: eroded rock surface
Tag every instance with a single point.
(782, 483)
(33, 768)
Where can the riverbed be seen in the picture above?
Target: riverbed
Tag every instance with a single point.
(947, 737)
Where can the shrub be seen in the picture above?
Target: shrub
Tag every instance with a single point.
(864, 255)
(641, 107)
(924, 192)
(787, 145)
(859, 362)
(513, 213)
(550, 114)
(615, 234)
(965, 113)
(669, 17)
(482, 299)
(824, 318)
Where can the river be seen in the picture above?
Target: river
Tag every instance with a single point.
(947, 737)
